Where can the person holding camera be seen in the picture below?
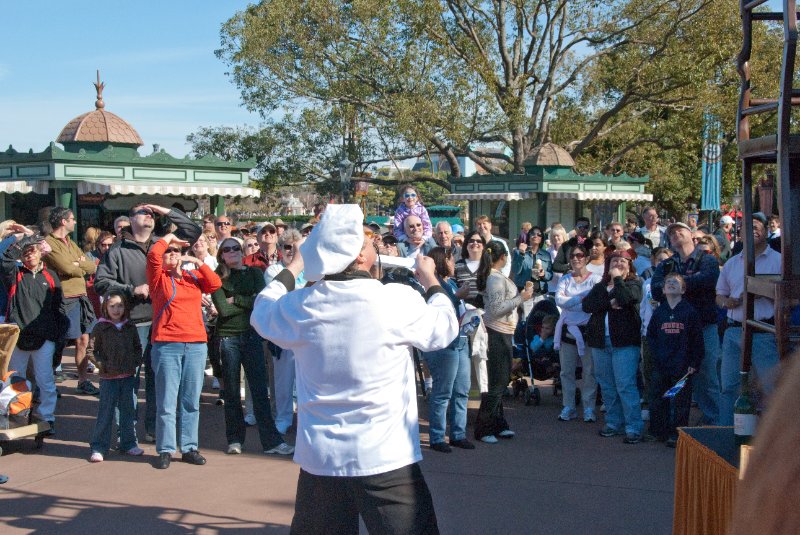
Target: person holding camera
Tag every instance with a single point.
(358, 430)
(530, 262)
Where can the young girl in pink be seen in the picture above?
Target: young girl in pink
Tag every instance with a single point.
(411, 204)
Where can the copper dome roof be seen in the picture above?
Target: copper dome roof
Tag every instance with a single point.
(549, 155)
(99, 126)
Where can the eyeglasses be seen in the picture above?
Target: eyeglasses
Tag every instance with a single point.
(231, 248)
(105, 245)
(223, 223)
(577, 255)
(143, 212)
(415, 225)
(172, 250)
(251, 245)
(480, 242)
(616, 230)
(582, 226)
(288, 247)
(369, 233)
(410, 195)
(268, 230)
(532, 234)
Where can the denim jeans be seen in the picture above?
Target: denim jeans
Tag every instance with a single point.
(666, 415)
(615, 369)
(178, 368)
(149, 383)
(42, 360)
(568, 356)
(245, 350)
(450, 371)
(764, 361)
(283, 372)
(116, 395)
(706, 380)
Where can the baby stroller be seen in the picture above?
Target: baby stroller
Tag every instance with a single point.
(541, 365)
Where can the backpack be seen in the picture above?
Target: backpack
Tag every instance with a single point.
(15, 401)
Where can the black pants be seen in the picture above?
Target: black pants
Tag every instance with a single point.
(666, 415)
(393, 502)
(491, 420)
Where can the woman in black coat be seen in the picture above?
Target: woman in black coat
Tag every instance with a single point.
(613, 333)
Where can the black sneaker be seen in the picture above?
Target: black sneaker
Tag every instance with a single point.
(464, 444)
(609, 432)
(632, 438)
(193, 457)
(162, 463)
(441, 447)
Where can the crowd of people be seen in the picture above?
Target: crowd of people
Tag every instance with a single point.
(638, 309)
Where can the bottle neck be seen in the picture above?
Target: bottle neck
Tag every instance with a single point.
(744, 380)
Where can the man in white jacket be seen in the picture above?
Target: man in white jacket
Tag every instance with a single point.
(358, 434)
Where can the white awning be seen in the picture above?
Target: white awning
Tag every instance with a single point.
(494, 196)
(21, 186)
(184, 189)
(601, 196)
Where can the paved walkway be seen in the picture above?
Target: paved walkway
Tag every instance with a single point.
(553, 478)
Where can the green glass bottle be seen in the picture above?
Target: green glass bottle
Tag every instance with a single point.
(744, 413)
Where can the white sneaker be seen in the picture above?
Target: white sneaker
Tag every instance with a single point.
(135, 451)
(250, 420)
(209, 371)
(506, 433)
(234, 449)
(490, 439)
(215, 384)
(241, 392)
(567, 414)
(96, 457)
(281, 449)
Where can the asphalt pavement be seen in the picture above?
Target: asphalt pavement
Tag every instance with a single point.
(552, 478)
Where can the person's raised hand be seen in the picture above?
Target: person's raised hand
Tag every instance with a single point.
(527, 293)
(426, 271)
(522, 247)
(296, 265)
(160, 210)
(615, 272)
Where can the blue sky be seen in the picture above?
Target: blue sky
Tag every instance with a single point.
(156, 58)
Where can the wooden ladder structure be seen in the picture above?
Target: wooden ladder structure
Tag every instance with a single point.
(781, 148)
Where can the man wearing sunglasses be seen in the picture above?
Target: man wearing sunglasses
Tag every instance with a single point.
(222, 228)
(268, 252)
(561, 263)
(357, 445)
(123, 269)
(415, 243)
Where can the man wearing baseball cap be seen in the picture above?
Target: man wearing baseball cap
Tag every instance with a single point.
(700, 272)
(268, 253)
(358, 430)
(724, 237)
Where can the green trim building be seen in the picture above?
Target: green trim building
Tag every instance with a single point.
(549, 191)
(100, 174)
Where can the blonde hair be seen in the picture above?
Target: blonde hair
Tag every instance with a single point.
(211, 240)
(90, 238)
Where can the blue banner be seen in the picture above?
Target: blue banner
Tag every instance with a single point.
(712, 163)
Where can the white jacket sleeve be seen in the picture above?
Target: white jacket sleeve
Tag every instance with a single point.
(263, 316)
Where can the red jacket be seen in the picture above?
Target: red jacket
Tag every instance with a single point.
(177, 314)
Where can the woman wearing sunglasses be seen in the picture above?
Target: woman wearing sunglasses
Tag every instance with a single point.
(179, 345)
(569, 340)
(240, 347)
(531, 262)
